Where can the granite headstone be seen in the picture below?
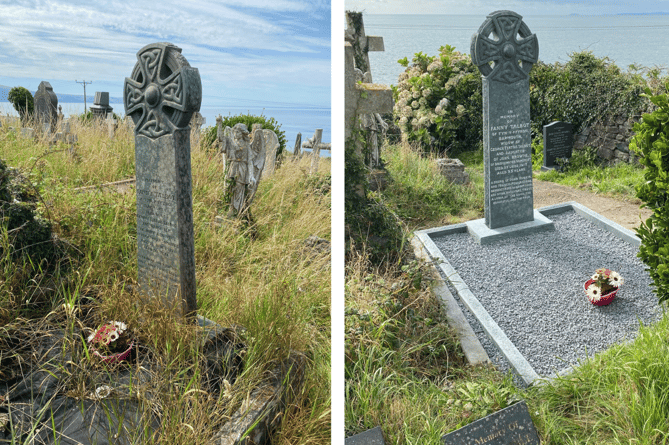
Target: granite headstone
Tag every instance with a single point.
(510, 426)
(46, 105)
(558, 143)
(160, 96)
(369, 437)
(504, 50)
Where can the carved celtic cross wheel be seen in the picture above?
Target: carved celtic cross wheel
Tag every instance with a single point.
(504, 49)
(163, 91)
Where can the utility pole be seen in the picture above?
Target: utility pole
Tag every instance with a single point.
(84, 84)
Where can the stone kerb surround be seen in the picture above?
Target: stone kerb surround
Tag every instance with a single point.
(160, 97)
(504, 50)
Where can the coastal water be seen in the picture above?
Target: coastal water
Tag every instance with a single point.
(625, 39)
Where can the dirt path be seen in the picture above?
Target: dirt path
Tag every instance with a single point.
(627, 214)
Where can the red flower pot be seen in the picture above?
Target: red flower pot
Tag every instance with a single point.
(606, 298)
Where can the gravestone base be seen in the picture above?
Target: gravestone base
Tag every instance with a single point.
(485, 235)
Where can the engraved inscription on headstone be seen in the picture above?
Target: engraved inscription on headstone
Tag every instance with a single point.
(504, 51)
(160, 97)
(510, 426)
(558, 143)
(46, 106)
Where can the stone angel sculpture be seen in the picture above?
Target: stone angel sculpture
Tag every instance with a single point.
(244, 159)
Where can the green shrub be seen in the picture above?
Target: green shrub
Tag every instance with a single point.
(22, 100)
(582, 91)
(248, 119)
(438, 102)
(651, 143)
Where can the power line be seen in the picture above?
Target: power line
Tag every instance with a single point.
(84, 83)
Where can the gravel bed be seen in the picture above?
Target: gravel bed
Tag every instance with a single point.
(532, 286)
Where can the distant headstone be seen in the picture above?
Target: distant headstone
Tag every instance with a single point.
(112, 123)
(510, 426)
(558, 143)
(160, 96)
(316, 150)
(197, 121)
(369, 437)
(505, 40)
(298, 145)
(46, 105)
(100, 105)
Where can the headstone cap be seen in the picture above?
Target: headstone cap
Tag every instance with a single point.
(163, 91)
(504, 49)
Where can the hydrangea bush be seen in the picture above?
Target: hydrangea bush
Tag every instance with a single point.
(438, 102)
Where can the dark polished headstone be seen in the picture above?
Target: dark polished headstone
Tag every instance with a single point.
(160, 97)
(510, 426)
(369, 437)
(558, 143)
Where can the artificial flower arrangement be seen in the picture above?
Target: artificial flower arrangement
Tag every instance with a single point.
(111, 342)
(603, 286)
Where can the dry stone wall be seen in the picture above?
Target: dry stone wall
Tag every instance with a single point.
(611, 138)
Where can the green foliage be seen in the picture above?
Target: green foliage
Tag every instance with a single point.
(651, 143)
(582, 91)
(438, 102)
(209, 135)
(89, 117)
(368, 222)
(22, 100)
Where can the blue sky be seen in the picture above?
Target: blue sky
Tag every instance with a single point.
(523, 7)
(250, 53)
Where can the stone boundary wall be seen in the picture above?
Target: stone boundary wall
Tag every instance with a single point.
(611, 138)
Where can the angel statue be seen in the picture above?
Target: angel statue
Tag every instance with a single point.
(244, 159)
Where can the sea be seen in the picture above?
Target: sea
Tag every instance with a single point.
(625, 39)
(292, 119)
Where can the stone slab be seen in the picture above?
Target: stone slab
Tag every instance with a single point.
(507, 153)
(369, 437)
(558, 143)
(483, 234)
(471, 346)
(509, 426)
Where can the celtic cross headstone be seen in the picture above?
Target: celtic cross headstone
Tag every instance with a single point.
(160, 96)
(46, 106)
(504, 50)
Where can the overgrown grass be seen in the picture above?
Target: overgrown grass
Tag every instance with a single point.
(263, 278)
(421, 196)
(585, 171)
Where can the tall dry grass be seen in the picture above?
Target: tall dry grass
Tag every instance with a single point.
(263, 277)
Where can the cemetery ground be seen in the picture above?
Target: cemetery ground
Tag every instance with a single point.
(263, 278)
(405, 370)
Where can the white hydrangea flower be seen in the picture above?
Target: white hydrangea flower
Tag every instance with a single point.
(404, 120)
(427, 92)
(460, 109)
(434, 66)
(407, 111)
(439, 109)
(422, 101)
(415, 105)
(416, 94)
(443, 102)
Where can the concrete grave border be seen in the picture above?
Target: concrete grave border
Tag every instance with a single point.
(472, 347)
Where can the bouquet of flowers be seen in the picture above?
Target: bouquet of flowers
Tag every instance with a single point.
(111, 342)
(603, 285)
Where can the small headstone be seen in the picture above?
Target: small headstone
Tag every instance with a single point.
(510, 426)
(298, 145)
(46, 105)
(100, 105)
(161, 95)
(112, 123)
(558, 143)
(60, 113)
(369, 437)
(453, 170)
(197, 121)
(271, 146)
(316, 150)
(27, 133)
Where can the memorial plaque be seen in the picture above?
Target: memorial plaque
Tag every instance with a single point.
(369, 437)
(510, 426)
(160, 97)
(504, 51)
(558, 143)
